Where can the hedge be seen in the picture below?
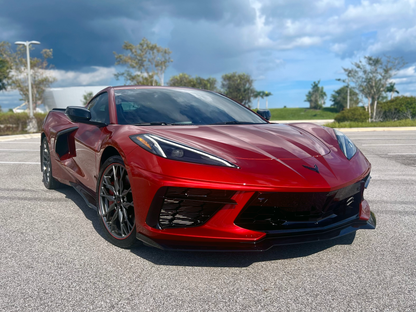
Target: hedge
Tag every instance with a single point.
(14, 123)
(356, 114)
(400, 107)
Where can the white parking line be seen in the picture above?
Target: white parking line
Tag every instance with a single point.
(20, 162)
(18, 150)
(20, 142)
(385, 144)
(401, 154)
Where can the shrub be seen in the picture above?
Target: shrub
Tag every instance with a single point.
(401, 107)
(357, 114)
(40, 117)
(16, 122)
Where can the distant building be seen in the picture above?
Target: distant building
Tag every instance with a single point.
(24, 108)
(70, 96)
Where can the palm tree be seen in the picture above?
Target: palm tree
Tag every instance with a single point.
(267, 94)
(391, 88)
(316, 96)
(258, 95)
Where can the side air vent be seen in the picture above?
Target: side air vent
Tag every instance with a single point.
(65, 143)
(187, 207)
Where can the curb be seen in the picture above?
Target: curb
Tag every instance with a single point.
(376, 129)
(19, 137)
(366, 129)
(316, 121)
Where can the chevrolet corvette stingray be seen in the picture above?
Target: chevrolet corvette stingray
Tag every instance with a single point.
(188, 169)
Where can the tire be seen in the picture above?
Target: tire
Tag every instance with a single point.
(48, 180)
(115, 203)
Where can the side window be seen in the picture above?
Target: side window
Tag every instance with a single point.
(99, 109)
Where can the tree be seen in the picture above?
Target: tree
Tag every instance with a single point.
(347, 81)
(4, 74)
(391, 88)
(316, 96)
(266, 95)
(257, 95)
(238, 87)
(340, 97)
(371, 76)
(41, 78)
(86, 97)
(185, 80)
(400, 107)
(146, 62)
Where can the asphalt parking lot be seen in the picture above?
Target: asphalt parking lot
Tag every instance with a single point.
(54, 258)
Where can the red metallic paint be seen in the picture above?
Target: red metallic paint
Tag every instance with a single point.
(271, 158)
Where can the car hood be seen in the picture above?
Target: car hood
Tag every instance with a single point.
(261, 141)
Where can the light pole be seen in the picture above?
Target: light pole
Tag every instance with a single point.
(348, 93)
(32, 127)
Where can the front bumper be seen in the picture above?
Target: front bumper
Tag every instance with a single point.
(267, 242)
(220, 231)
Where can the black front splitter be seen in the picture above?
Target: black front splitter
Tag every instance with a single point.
(265, 243)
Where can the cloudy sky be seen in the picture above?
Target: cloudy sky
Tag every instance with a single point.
(284, 45)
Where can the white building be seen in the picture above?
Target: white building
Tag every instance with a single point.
(70, 96)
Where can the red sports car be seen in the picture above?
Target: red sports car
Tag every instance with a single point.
(180, 168)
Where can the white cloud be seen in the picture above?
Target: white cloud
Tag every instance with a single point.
(395, 39)
(406, 72)
(100, 76)
(326, 4)
(405, 80)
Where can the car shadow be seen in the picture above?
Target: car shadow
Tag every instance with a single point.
(209, 259)
(235, 259)
(89, 213)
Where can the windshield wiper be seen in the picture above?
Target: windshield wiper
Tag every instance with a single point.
(233, 122)
(158, 123)
(161, 123)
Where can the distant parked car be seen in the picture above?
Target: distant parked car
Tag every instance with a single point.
(180, 168)
(265, 113)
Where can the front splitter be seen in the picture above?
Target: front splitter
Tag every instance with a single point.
(265, 243)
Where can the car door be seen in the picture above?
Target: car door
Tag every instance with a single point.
(88, 140)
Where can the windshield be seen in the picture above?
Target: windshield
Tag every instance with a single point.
(179, 107)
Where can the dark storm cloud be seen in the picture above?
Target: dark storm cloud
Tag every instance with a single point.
(85, 33)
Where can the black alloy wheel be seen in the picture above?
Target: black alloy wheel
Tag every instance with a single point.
(115, 203)
(48, 180)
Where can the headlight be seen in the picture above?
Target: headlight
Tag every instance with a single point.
(176, 151)
(345, 144)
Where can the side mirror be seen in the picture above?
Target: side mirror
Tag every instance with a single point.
(78, 114)
(265, 113)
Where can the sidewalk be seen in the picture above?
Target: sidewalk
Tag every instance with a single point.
(366, 129)
(316, 121)
(19, 136)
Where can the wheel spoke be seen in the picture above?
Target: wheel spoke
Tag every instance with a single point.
(109, 209)
(126, 205)
(118, 217)
(129, 226)
(105, 194)
(126, 192)
(107, 183)
(115, 215)
(116, 186)
(120, 183)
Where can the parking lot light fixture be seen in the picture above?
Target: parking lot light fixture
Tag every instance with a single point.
(32, 127)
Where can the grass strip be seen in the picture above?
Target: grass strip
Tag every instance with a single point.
(394, 123)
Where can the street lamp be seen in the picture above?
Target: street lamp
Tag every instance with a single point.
(31, 124)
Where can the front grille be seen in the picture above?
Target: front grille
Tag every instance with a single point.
(286, 211)
(187, 207)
